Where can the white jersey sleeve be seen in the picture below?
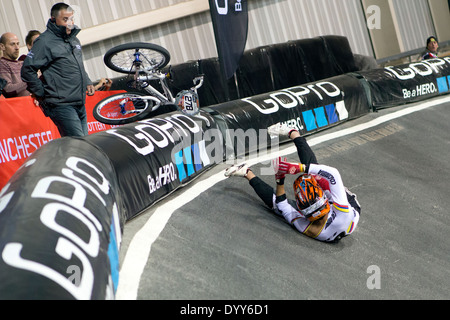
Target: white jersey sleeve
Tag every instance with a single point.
(292, 215)
(336, 192)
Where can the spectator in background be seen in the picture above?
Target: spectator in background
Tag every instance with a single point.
(10, 67)
(31, 37)
(29, 41)
(57, 53)
(431, 50)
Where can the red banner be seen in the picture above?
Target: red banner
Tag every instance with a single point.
(24, 129)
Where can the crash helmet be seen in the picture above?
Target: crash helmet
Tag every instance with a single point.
(311, 199)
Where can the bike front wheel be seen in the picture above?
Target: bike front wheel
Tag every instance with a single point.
(137, 57)
(123, 108)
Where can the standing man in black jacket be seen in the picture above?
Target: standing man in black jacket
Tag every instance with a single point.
(61, 92)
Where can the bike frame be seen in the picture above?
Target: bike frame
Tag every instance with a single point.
(142, 70)
(167, 97)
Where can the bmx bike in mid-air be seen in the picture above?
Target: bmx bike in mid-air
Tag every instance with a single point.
(143, 63)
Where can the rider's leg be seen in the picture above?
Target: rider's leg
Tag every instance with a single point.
(304, 151)
(262, 189)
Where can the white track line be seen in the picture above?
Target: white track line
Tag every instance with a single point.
(139, 249)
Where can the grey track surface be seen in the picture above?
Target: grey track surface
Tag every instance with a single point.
(226, 245)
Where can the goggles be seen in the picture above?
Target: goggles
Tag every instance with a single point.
(315, 207)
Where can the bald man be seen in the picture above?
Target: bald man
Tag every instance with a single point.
(10, 67)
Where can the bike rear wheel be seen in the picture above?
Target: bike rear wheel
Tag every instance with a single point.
(123, 108)
(137, 57)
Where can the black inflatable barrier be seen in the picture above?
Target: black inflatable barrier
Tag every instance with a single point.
(156, 156)
(311, 108)
(289, 65)
(60, 225)
(62, 213)
(407, 83)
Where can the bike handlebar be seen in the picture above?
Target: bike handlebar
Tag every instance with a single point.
(198, 82)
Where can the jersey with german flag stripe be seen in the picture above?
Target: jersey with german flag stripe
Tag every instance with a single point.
(342, 218)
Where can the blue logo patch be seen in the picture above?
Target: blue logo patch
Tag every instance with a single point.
(191, 160)
(324, 116)
(442, 84)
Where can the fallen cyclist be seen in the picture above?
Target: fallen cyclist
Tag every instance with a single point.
(324, 209)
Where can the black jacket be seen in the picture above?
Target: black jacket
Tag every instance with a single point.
(58, 56)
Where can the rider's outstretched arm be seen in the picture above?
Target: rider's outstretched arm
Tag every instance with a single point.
(289, 213)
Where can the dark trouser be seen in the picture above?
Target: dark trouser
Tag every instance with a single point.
(70, 120)
(304, 151)
(263, 190)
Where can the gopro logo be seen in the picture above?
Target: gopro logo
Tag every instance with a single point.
(222, 10)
